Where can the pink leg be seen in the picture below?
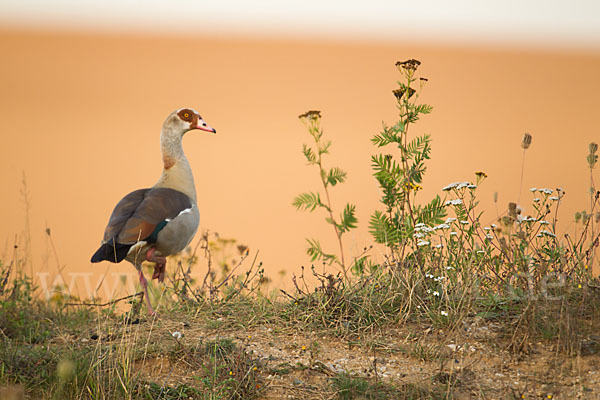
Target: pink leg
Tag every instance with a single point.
(145, 286)
(161, 263)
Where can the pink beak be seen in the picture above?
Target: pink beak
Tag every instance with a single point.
(203, 126)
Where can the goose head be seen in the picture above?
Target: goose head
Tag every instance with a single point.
(184, 120)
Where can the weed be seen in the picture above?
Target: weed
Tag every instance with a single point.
(312, 200)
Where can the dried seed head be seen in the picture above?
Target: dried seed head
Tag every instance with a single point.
(597, 217)
(526, 141)
(577, 216)
(592, 158)
(408, 65)
(495, 197)
(585, 217)
(400, 92)
(310, 115)
(480, 176)
(512, 210)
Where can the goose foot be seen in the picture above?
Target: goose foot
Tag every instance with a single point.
(161, 263)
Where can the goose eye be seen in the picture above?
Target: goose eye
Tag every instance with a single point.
(186, 115)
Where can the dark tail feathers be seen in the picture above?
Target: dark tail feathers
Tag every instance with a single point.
(111, 251)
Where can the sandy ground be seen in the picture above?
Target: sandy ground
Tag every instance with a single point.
(295, 364)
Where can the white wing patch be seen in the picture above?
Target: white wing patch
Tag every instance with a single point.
(186, 211)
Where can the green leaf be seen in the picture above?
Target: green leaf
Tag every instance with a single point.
(432, 213)
(358, 267)
(418, 145)
(324, 147)
(383, 230)
(389, 135)
(387, 170)
(389, 175)
(309, 154)
(307, 201)
(315, 252)
(423, 109)
(399, 127)
(348, 219)
(335, 176)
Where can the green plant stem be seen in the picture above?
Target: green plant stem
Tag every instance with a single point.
(592, 196)
(329, 208)
(405, 164)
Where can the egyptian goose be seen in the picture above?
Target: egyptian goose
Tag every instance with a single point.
(151, 224)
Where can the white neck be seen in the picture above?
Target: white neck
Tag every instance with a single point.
(177, 173)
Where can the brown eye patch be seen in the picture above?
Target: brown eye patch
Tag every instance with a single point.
(186, 115)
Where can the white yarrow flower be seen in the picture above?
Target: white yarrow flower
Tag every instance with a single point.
(436, 293)
(450, 220)
(177, 335)
(537, 200)
(548, 233)
(454, 202)
(453, 233)
(544, 223)
(553, 198)
(533, 189)
(450, 186)
(444, 313)
(421, 243)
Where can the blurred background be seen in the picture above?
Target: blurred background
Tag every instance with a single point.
(86, 86)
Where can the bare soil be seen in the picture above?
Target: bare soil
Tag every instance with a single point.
(473, 363)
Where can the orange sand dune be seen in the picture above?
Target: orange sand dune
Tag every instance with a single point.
(81, 115)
